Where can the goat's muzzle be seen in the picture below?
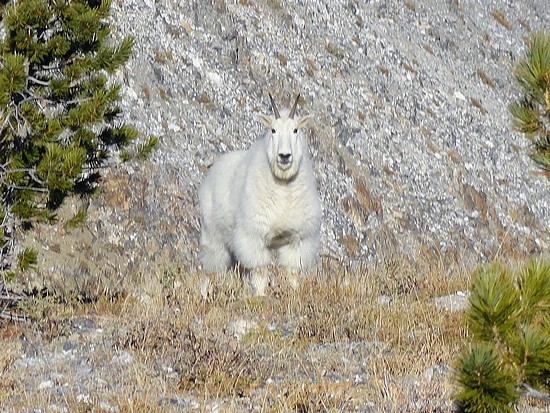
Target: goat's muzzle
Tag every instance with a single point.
(284, 160)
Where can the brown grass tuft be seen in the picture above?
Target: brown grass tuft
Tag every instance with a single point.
(485, 78)
(501, 19)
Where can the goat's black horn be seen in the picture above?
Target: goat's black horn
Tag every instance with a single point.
(293, 110)
(274, 107)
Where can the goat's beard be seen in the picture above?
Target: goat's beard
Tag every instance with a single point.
(286, 172)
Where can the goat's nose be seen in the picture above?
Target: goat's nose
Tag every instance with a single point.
(284, 157)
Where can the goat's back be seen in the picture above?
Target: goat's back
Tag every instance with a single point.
(217, 194)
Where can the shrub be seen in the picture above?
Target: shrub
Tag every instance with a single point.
(509, 318)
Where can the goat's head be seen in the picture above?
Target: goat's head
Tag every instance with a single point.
(285, 141)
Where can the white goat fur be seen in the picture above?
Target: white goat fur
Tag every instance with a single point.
(261, 204)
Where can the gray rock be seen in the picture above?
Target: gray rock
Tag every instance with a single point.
(240, 327)
(410, 141)
(83, 323)
(453, 302)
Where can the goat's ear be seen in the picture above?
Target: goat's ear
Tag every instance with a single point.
(266, 120)
(303, 121)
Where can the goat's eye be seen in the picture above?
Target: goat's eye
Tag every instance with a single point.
(272, 130)
(295, 130)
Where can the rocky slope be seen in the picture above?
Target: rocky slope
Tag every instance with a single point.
(412, 143)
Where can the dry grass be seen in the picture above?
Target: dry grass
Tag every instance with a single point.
(476, 103)
(485, 78)
(501, 18)
(330, 345)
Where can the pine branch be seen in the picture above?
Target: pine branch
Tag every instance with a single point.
(6, 120)
(531, 114)
(30, 171)
(9, 300)
(38, 81)
(28, 188)
(531, 392)
(10, 316)
(61, 64)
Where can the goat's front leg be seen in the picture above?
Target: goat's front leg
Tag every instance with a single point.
(252, 253)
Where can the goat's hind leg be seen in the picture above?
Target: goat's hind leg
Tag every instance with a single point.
(214, 254)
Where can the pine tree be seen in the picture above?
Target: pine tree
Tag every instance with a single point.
(59, 117)
(509, 319)
(531, 113)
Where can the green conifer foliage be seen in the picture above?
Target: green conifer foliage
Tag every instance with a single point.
(509, 318)
(485, 385)
(59, 118)
(531, 113)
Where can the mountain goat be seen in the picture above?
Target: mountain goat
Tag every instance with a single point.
(261, 204)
